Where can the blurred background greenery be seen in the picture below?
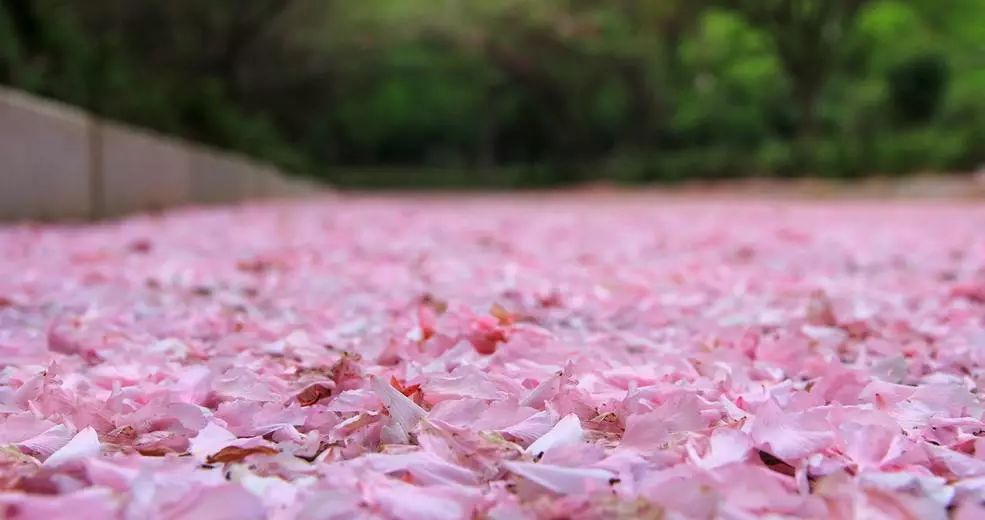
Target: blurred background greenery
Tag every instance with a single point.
(526, 92)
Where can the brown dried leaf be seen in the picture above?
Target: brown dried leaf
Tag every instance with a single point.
(236, 454)
(254, 266)
(122, 435)
(820, 311)
(776, 464)
(438, 305)
(154, 451)
(314, 393)
(502, 315)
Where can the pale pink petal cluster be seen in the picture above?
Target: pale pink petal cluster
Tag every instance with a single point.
(498, 357)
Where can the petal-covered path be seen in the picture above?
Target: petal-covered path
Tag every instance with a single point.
(496, 357)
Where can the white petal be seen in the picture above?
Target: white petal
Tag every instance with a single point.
(560, 479)
(84, 444)
(566, 432)
(404, 411)
(209, 440)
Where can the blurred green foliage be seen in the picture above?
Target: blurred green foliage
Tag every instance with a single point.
(524, 92)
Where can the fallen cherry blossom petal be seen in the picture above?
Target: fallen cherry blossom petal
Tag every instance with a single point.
(83, 445)
(566, 432)
(524, 356)
(405, 412)
(560, 479)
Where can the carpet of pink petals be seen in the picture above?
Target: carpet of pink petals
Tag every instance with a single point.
(497, 358)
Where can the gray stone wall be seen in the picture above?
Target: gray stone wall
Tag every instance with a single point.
(58, 162)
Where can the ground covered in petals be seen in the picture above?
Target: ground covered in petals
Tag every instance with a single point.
(497, 357)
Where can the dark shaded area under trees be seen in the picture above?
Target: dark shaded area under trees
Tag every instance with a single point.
(520, 93)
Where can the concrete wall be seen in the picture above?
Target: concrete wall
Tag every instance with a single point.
(57, 162)
(44, 159)
(216, 179)
(141, 171)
